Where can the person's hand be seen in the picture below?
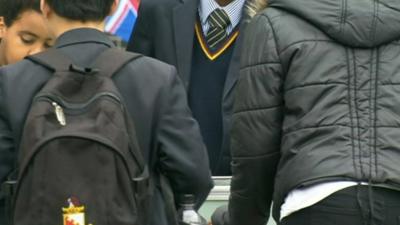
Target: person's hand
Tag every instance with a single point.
(220, 216)
(209, 223)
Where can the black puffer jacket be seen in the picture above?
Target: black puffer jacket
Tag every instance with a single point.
(318, 100)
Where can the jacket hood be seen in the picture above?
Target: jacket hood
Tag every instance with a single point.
(356, 23)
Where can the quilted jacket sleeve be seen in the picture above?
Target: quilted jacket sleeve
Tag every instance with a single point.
(256, 128)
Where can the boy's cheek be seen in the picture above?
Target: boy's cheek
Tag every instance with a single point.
(14, 50)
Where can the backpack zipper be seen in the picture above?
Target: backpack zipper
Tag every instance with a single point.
(59, 104)
(58, 110)
(66, 105)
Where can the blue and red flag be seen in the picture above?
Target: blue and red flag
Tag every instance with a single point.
(121, 23)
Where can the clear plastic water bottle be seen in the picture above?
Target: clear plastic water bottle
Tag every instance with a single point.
(187, 213)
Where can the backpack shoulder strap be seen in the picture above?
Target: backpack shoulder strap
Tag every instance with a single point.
(53, 59)
(112, 60)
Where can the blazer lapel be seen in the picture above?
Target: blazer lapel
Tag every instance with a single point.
(184, 17)
(234, 65)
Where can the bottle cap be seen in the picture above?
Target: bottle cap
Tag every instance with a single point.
(187, 199)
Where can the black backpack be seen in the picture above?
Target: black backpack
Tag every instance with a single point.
(79, 161)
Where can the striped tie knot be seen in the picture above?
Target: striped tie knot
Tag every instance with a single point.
(218, 21)
(219, 18)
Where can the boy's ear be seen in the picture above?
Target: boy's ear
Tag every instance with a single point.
(3, 27)
(114, 7)
(44, 7)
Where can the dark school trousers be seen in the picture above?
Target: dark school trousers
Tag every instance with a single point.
(356, 205)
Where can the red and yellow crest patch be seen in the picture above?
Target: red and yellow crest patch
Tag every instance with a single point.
(74, 214)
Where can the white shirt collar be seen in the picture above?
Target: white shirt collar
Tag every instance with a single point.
(233, 9)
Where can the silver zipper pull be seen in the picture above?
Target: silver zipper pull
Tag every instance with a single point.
(59, 114)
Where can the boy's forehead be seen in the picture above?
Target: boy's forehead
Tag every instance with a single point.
(30, 20)
(32, 23)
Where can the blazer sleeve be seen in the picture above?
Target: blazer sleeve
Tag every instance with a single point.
(6, 137)
(7, 153)
(141, 40)
(182, 154)
(256, 126)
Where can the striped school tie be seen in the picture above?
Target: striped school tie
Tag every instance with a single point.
(218, 21)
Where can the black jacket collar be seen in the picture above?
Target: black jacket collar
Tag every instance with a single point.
(83, 35)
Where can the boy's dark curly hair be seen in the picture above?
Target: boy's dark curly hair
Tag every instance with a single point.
(10, 10)
(81, 10)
